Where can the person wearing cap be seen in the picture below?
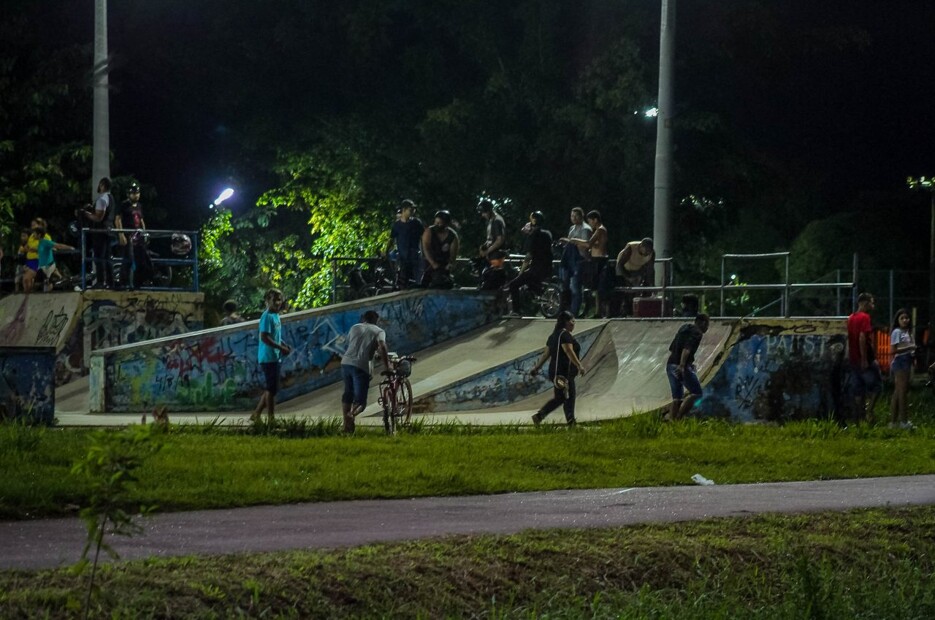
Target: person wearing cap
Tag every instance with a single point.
(636, 266)
(136, 267)
(406, 235)
(440, 245)
(493, 249)
(537, 266)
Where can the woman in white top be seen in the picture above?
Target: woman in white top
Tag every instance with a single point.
(901, 368)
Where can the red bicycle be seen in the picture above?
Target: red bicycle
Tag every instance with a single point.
(396, 393)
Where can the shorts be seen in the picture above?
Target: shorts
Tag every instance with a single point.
(901, 363)
(356, 385)
(47, 271)
(32, 264)
(271, 373)
(688, 381)
(868, 381)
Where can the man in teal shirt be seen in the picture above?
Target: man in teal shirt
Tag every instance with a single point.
(269, 353)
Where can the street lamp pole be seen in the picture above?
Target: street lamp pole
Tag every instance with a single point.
(931, 263)
(928, 184)
(662, 185)
(100, 161)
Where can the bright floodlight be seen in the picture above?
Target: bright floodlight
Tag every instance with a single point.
(227, 193)
(652, 112)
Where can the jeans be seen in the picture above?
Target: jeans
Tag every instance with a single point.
(356, 385)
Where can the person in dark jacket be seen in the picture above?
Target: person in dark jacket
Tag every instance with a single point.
(537, 266)
(680, 367)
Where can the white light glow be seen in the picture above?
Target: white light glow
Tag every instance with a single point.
(227, 193)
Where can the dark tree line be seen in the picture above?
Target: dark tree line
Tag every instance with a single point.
(326, 114)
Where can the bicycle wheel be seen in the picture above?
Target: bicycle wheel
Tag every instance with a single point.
(388, 400)
(549, 300)
(403, 402)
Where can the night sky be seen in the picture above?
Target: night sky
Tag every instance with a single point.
(865, 120)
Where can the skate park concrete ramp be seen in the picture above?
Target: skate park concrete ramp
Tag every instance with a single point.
(473, 366)
(216, 370)
(625, 359)
(77, 323)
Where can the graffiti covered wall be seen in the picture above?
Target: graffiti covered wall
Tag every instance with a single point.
(76, 323)
(217, 369)
(27, 386)
(777, 370)
(500, 385)
(108, 319)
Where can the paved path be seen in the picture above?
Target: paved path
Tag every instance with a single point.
(54, 542)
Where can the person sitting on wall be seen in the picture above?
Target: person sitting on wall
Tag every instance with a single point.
(231, 316)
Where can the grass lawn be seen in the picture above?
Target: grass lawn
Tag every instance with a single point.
(212, 467)
(863, 564)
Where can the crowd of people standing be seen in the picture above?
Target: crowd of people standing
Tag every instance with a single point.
(425, 255)
(35, 253)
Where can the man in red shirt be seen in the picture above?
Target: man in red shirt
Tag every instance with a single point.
(865, 371)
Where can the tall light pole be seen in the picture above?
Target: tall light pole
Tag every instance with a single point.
(100, 162)
(662, 185)
(928, 183)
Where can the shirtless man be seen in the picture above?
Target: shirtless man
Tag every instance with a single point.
(636, 266)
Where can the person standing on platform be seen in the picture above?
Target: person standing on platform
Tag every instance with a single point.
(406, 235)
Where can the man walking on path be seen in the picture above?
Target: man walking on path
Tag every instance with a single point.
(680, 367)
(865, 371)
(270, 352)
(363, 340)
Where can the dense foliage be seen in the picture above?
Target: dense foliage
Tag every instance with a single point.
(326, 115)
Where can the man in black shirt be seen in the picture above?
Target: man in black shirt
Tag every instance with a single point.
(137, 267)
(537, 266)
(680, 368)
(406, 234)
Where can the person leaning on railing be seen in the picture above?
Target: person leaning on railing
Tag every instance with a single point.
(636, 266)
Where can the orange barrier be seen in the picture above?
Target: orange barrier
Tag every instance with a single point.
(883, 349)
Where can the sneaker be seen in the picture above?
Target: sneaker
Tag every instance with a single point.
(907, 426)
(536, 419)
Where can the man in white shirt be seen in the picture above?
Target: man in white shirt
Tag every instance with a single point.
(363, 340)
(573, 258)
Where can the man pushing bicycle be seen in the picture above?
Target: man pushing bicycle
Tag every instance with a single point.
(363, 340)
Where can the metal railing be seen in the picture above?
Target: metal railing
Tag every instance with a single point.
(668, 289)
(111, 262)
